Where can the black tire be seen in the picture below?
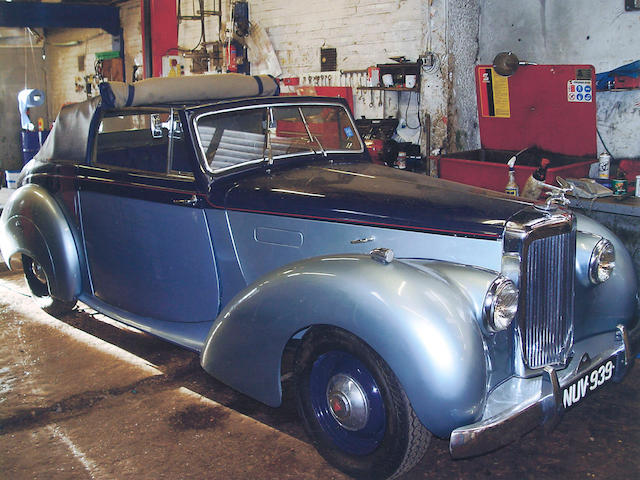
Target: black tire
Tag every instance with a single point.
(40, 292)
(371, 445)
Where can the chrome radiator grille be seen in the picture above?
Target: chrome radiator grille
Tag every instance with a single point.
(548, 277)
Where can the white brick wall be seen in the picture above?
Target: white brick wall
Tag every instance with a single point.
(364, 33)
(62, 61)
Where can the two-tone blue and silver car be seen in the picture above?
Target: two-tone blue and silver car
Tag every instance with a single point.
(232, 221)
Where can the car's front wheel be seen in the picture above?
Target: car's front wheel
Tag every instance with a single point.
(39, 285)
(354, 408)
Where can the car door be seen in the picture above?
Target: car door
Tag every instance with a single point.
(145, 232)
(236, 139)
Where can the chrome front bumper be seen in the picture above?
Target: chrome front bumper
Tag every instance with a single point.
(521, 404)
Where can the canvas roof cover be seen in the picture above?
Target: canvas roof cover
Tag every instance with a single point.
(68, 139)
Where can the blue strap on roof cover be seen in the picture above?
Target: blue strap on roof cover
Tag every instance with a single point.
(260, 86)
(132, 92)
(108, 97)
(277, 93)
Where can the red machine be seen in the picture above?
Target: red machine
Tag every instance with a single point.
(549, 110)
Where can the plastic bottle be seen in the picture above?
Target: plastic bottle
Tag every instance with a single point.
(512, 187)
(533, 188)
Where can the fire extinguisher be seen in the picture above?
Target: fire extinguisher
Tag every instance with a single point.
(232, 58)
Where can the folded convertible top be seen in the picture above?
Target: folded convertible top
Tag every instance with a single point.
(186, 89)
(68, 140)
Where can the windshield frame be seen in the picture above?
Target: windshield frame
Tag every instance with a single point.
(265, 159)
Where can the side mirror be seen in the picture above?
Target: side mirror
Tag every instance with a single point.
(156, 125)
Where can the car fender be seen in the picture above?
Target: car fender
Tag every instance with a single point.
(33, 224)
(412, 313)
(594, 306)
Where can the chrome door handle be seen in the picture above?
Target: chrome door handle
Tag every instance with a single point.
(189, 202)
(362, 240)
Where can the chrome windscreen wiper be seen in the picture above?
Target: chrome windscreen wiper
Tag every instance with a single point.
(311, 135)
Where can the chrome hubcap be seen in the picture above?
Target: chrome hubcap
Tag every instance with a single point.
(347, 402)
(38, 272)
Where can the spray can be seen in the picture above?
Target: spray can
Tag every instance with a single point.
(604, 164)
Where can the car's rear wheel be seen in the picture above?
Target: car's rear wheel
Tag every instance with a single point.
(354, 408)
(39, 285)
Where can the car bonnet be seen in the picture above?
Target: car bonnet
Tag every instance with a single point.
(368, 194)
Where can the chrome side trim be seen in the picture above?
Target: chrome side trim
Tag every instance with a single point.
(362, 240)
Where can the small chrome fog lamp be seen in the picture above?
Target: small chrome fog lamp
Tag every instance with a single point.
(500, 304)
(602, 262)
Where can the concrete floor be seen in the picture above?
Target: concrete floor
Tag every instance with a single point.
(81, 397)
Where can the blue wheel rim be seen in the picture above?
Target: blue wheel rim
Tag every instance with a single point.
(366, 439)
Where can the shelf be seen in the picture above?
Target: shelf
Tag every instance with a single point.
(391, 89)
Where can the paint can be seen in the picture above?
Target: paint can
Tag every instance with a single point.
(619, 186)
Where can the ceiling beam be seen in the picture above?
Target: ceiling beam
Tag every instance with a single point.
(60, 15)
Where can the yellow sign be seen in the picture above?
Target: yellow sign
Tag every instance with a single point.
(501, 95)
(494, 94)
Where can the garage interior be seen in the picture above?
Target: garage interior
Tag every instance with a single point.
(84, 396)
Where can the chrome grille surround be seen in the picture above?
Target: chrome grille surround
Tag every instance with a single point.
(539, 257)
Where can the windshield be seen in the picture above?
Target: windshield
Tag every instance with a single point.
(246, 136)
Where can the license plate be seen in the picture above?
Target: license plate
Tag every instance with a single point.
(588, 382)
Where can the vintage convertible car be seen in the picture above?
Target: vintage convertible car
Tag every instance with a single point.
(232, 221)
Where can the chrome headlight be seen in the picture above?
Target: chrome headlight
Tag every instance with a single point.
(602, 262)
(500, 304)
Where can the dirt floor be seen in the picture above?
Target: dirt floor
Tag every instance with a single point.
(86, 397)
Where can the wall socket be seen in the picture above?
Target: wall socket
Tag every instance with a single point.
(428, 59)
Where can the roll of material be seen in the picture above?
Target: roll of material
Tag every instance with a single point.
(186, 89)
(28, 98)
